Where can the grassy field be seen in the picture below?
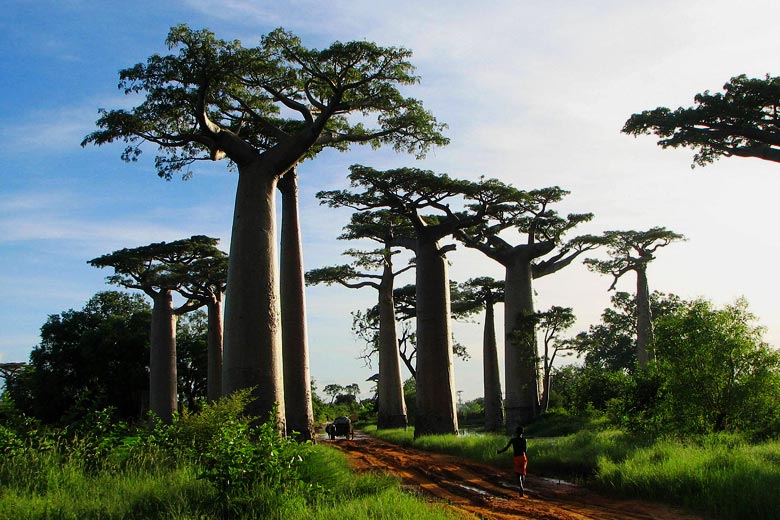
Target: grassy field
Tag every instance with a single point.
(51, 487)
(723, 476)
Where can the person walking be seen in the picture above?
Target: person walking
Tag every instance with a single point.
(520, 459)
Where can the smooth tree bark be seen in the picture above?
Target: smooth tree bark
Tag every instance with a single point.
(409, 192)
(530, 214)
(390, 390)
(385, 228)
(435, 398)
(163, 397)
(633, 251)
(157, 270)
(216, 99)
(478, 293)
(494, 406)
(205, 281)
(215, 345)
(295, 346)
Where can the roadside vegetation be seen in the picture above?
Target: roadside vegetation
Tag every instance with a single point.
(211, 465)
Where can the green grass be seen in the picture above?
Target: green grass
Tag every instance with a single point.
(726, 480)
(722, 476)
(51, 487)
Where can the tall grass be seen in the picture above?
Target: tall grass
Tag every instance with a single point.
(54, 484)
(723, 476)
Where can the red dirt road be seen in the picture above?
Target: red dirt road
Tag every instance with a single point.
(484, 492)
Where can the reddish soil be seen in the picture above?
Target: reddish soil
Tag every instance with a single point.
(484, 492)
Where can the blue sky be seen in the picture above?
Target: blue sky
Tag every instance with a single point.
(534, 93)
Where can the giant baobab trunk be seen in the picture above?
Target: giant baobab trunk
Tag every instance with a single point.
(390, 392)
(521, 356)
(215, 338)
(252, 350)
(295, 348)
(436, 411)
(162, 357)
(644, 322)
(494, 413)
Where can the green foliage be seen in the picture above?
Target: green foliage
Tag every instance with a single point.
(239, 457)
(720, 475)
(209, 466)
(713, 371)
(211, 84)
(630, 250)
(718, 373)
(167, 265)
(741, 122)
(610, 344)
(192, 358)
(81, 357)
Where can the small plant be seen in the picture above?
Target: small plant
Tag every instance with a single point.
(240, 457)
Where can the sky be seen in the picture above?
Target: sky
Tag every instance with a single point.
(533, 93)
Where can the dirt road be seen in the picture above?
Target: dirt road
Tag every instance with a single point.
(485, 492)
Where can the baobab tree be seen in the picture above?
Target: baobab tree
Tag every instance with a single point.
(156, 269)
(485, 292)
(207, 287)
(375, 269)
(365, 325)
(409, 192)
(295, 347)
(633, 251)
(263, 108)
(530, 214)
(742, 122)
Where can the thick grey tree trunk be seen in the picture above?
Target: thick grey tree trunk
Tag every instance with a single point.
(252, 350)
(295, 347)
(521, 354)
(436, 411)
(494, 413)
(162, 357)
(390, 393)
(215, 337)
(644, 321)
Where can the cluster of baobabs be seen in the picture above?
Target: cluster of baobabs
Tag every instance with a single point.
(267, 108)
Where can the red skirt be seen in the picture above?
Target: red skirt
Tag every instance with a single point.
(521, 463)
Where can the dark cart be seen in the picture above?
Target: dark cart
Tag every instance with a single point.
(340, 427)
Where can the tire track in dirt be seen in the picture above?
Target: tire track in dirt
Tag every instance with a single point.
(484, 492)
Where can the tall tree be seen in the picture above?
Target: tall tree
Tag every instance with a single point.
(486, 292)
(633, 251)
(743, 121)
(295, 346)
(156, 270)
(409, 192)
(529, 213)
(385, 228)
(365, 324)
(264, 108)
(204, 280)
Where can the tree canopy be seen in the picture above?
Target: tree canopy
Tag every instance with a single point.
(742, 121)
(215, 98)
(81, 357)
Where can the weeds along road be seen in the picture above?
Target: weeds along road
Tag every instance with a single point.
(484, 492)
